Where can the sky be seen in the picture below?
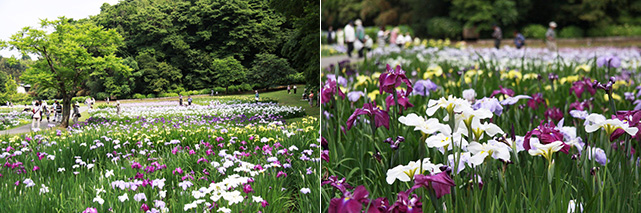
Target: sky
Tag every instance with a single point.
(16, 14)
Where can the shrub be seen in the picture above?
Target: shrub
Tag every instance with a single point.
(168, 94)
(204, 92)
(139, 96)
(79, 99)
(442, 27)
(535, 31)
(101, 96)
(219, 89)
(269, 70)
(571, 32)
(151, 95)
(616, 30)
(297, 78)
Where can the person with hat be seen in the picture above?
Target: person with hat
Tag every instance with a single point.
(117, 107)
(550, 37)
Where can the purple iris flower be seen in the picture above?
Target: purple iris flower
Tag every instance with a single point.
(381, 117)
(402, 100)
(406, 203)
(423, 87)
(338, 184)
(350, 202)
(355, 95)
(504, 91)
(393, 78)
(609, 61)
(341, 80)
(491, 104)
(598, 154)
(329, 90)
(513, 100)
(441, 183)
(380, 205)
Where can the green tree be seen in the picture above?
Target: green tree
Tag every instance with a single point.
(302, 46)
(484, 12)
(269, 70)
(228, 71)
(68, 55)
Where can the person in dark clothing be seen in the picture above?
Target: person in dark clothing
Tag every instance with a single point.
(330, 35)
(497, 35)
(519, 39)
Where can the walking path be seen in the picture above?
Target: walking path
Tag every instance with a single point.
(326, 61)
(44, 125)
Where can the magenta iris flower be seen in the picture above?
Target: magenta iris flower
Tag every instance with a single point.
(504, 91)
(441, 183)
(350, 202)
(381, 117)
(632, 118)
(406, 203)
(393, 78)
(547, 133)
(402, 100)
(583, 85)
(380, 205)
(536, 101)
(553, 113)
(338, 184)
(608, 61)
(90, 210)
(329, 90)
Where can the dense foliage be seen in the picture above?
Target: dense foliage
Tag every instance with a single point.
(179, 45)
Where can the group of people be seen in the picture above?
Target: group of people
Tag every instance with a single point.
(519, 39)
(180, 100)
(394, 37)
(290, 87)
(40, 109)
(353, 36)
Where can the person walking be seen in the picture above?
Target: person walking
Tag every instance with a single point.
(519, 39)
(294, 89)
(340, 37)
(550, 37)
(330, 35)
(360, 35)
(58, 111)
(256, 95)
(380, 37)
(37, 116)
(76, 113)
(350, 37)
(288, 89)
(311, 98)
(107, 100)
(46, 109)
(497, 35)
(117, 107)
(180, 100)
(189, 100)
(393, 36)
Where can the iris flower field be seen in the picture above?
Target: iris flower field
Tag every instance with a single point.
(482, 130)
(231, 156)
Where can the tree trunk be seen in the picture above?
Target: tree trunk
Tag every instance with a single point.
(66, 110)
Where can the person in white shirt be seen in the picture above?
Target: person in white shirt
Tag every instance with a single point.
(350, 37)
(380, 37)
(36, 116)
(340, 37)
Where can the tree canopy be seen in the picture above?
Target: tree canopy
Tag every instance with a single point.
(68, 55)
